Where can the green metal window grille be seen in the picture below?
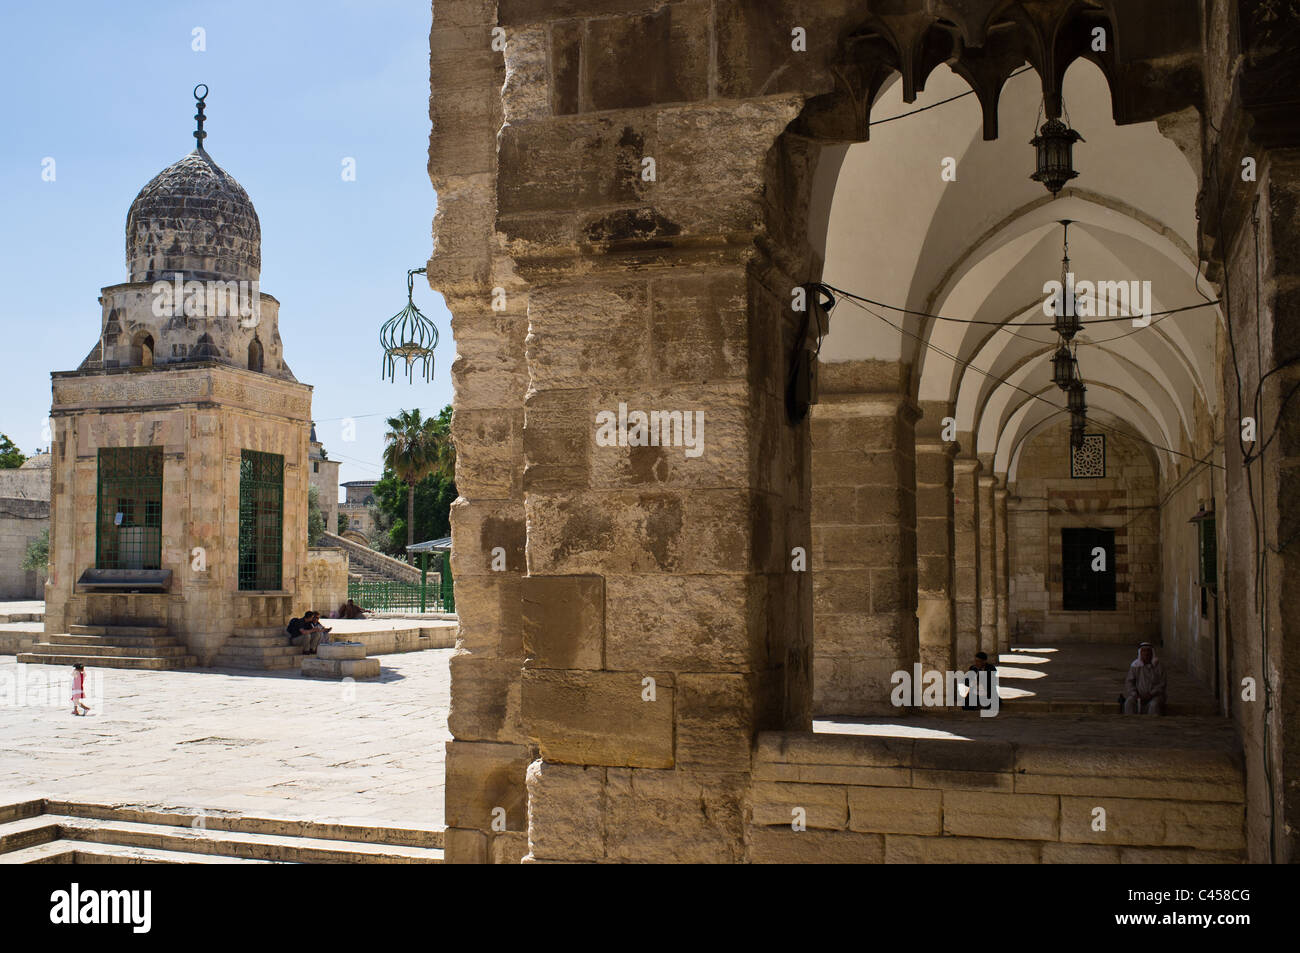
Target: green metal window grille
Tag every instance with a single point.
(128, 524)
(261, 520)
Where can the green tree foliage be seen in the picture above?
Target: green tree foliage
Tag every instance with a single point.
(11, 458)
(37, 556)
(404, 517)
(343, 523)
(417, 449)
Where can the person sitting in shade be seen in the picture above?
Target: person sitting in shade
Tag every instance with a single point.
(1145, 683)
(983, 685)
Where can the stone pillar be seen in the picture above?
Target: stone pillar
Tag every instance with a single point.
(486, 795)
(864, 549)
(1000, 560)
(988, 590)
(966, 562)
(663, 623)
(936, 606)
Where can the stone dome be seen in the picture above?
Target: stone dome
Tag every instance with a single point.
(39, 461)
(195, 219)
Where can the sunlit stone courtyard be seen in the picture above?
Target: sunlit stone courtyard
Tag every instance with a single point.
(264, 744)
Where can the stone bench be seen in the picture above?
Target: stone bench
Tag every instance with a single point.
(340, 660)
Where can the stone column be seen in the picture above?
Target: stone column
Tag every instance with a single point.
(988, 590)
(966, 562)
(664, 623)
(486, 796)
(1001, 556)
(936, 606)
(864, 549)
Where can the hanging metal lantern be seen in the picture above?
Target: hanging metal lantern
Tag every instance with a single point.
(1064, 368)
(1054, 147)
(409, 335)
(1075, 398)
(1065, 319)
(1076, 437)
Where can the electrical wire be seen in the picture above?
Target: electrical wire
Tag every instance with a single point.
(1026, 324)
(1001, 380)
(921, 109)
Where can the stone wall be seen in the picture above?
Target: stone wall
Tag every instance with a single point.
(203, 417)
(1046, 500)
(577, 281)
(24, 516)
(325, 581)
(901, 800)
(21, 522)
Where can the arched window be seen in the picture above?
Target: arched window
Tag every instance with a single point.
(142, 349)
(255, 355)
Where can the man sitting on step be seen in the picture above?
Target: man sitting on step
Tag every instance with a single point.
(306, 632)
(1144, 685)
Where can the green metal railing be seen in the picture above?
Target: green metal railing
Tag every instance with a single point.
(384, 596)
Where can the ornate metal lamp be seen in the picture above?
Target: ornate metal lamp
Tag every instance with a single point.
(1065, 369)
(409, 335)
(1078, 424)
(1066, 321)
(1054, 147)
(1076, 400)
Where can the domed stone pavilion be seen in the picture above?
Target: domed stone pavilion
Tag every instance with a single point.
(179, 490)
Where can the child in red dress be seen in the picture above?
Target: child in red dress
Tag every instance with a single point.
(79, 690)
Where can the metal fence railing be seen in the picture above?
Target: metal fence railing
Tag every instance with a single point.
(386, 596)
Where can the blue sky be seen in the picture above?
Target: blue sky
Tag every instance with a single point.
(105, 90)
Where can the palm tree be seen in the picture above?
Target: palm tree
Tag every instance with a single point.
(411, 452)
(445, 452)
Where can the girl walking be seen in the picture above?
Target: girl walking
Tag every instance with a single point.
(79, 690)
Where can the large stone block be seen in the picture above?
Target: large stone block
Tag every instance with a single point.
(892, 810)
(672, 49)
(564, 621)
(600, 717)
(566, 817)
(1015, 816)
(1154, 823)
(823, 806)
(906, 849)
(690, 622)
(674, 817)
(485, 699)
(483, 777)
(464, 846)
(1192, 774)
(705, 531)
(772, 845)
(715, 720)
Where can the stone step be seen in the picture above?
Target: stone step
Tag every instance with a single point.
(154, 630)
(237, 647)
(95, 661)
(30, 832)
(124, 641)
(260, 631)
(168, 650)
(85, 852)
(8, 617)
(239, 823)
(254, 663)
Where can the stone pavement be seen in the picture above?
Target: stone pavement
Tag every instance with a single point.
(271, 744)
